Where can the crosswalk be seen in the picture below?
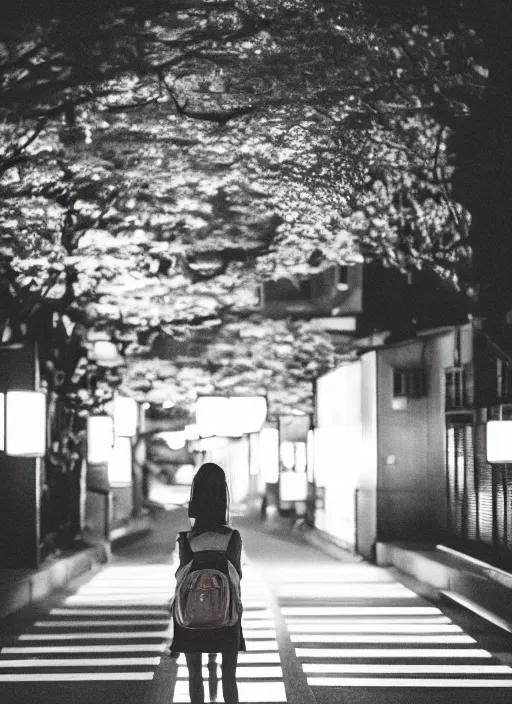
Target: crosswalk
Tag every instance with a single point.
(354, 626)
(350, 625)
(259, 672)
(114, 628)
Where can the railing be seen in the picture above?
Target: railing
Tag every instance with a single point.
(458, 388)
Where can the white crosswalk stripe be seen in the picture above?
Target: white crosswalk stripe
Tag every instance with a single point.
(98, 642)
(367, 631)
(259, 672)
(115, 628)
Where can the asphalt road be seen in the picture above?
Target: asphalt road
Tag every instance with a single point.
(317, 630)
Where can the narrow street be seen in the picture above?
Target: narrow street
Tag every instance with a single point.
(317, 630)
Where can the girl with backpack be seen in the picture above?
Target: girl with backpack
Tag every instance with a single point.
(210, 548)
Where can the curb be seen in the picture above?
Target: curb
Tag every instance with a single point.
(326, 543)
(472, 584)
(22, 587)
(34, 585)
(131, 531)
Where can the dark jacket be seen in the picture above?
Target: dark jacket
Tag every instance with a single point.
(210, 640)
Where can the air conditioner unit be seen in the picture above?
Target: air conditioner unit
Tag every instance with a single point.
(409, 382)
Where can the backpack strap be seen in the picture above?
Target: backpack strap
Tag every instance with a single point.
(209, 540)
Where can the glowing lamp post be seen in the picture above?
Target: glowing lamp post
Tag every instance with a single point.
(100, 439)
(499, 441)
(25, 424)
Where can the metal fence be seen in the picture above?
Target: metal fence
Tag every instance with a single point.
(478, 495)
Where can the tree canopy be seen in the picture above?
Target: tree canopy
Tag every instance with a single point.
(279, 359)
(158, 159)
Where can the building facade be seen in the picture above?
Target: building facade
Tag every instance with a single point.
(400, 446)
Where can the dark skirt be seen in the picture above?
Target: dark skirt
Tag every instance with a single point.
(229, 639)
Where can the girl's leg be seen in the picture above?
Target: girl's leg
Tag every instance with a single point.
(229, 686)
(195, 677)
(213, 680)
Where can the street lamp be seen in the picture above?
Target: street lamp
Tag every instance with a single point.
(104, 352)
(24, 414)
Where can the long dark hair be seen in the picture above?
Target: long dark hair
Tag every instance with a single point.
(209, 498)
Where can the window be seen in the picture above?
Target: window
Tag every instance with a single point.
(458, 387)
(342, 278)
(454, 387)
(410, 383)
(503, 379)
(461, 482)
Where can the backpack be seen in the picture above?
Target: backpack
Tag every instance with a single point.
(207, 597)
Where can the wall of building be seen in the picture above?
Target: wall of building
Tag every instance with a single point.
(411, 472)
(338, 449)
(390, 458)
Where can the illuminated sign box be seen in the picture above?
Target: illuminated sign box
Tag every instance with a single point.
(499, 441)
(269, 455)
(230, 416)
(25, 423)
(120, 462)
(125, 416)
(293, 486)
(100, 438)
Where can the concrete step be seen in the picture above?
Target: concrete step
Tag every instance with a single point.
(19, 588)
(472, 583)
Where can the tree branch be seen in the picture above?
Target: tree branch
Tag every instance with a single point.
(17, 155)
(217, 116)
